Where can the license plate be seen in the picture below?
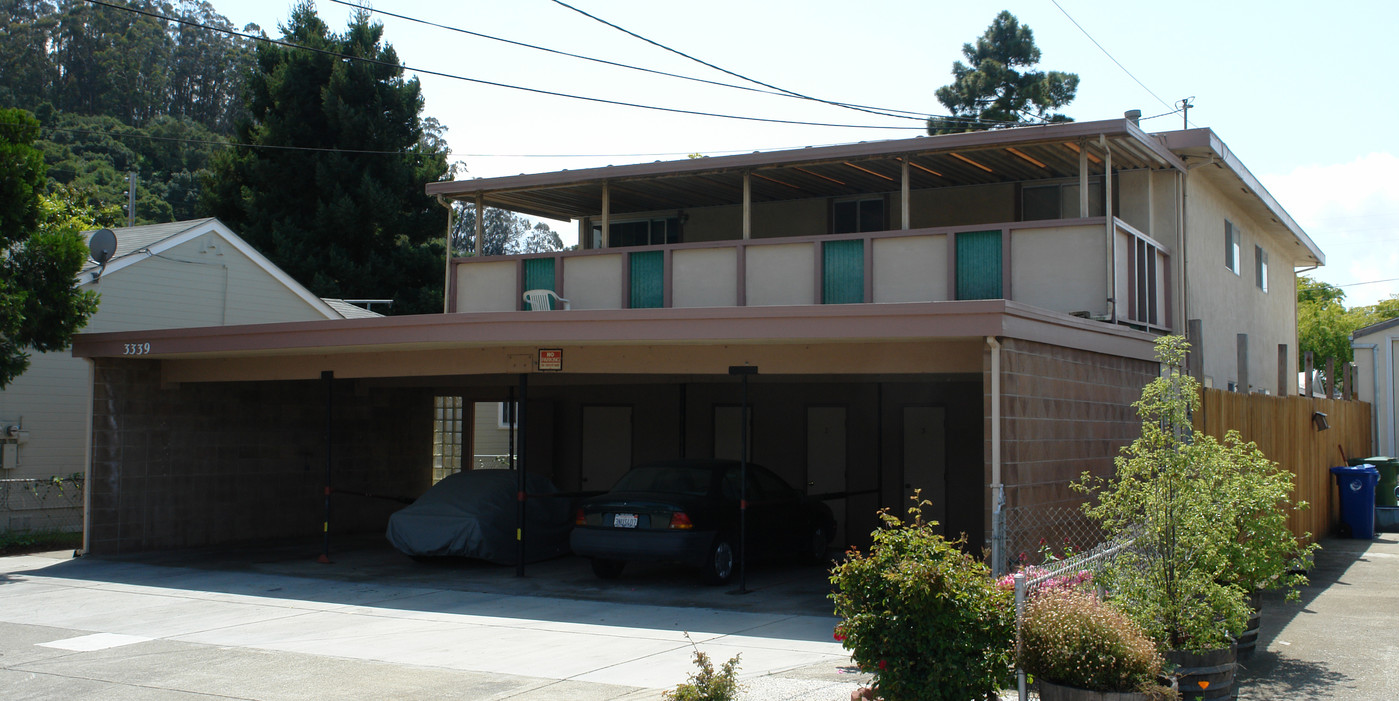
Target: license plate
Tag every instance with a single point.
(624, 521)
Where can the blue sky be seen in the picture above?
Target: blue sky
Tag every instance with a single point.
(1298, 90)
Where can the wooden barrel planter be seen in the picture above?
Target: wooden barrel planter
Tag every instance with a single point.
(1248, 640)
(1204, 676)
(1049, 691)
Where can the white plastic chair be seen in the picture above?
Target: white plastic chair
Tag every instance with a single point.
(538, 300)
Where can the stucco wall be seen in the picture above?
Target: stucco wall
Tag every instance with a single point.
(1229, 304)
(205, 464)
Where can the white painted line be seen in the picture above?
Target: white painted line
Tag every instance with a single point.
(96, 641)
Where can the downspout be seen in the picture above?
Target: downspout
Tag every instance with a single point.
(87, 461)
(447, 268)
(1111, 228)
(998, 494)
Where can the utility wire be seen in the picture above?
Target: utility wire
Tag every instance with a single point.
(887, 111)
(479, 81)
(740, 76)
(1105, 53)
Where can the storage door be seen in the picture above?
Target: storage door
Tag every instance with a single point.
(843, 272)
(979, 265)
(647, 279)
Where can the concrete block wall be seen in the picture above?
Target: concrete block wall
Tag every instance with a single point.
(204, 464)
(1064, 411)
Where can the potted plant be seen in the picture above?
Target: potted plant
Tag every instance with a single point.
(1169, 494)
(1264, 554)
(1079, 648)
(923, 616)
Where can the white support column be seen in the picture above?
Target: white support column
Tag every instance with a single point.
(747, 205)
(903, 196)
(606, 214)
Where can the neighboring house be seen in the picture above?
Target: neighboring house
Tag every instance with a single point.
(1376, 359)
(176, 275)
(971, 315)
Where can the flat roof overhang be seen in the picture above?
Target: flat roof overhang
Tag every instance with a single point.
(860, 338)
(1004, 155)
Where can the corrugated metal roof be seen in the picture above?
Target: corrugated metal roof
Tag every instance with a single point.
(349, 311)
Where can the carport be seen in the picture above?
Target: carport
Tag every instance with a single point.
(223, 435)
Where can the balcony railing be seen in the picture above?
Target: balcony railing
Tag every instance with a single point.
(1060, 265)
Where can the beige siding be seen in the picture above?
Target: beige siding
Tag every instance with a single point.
(1232, 304)
(961, 206)
(781, 274)
(912, 269)
(488, 438)
(593, 282)
(1064, 269)
(793, 218)
(705, 277)
(202, 282)
(487, 287)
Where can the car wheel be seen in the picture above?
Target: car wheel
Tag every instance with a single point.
(607, 569)
(816, 546)
(719, 566)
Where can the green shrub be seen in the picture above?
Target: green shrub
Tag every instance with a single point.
(1071, 637)
(923, 616)
(706, 684)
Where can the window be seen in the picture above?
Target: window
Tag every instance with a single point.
(505, 416)
(1059, 201)
(1260, 268)
(857, 216)
(638, 232)
(1145, 277)
(1231, 247)
(447, 442)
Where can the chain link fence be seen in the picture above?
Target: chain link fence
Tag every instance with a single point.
(52, 505)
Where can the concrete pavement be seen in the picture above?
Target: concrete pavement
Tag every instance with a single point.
(115, 629)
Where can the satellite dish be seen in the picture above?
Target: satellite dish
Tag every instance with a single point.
(102, 245)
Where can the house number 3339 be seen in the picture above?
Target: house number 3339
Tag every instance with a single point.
(135, 348)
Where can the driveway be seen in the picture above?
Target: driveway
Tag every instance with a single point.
(184, 626)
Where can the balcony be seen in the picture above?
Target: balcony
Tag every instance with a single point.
(1061, 265)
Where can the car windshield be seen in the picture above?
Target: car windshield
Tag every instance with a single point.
(667, 479)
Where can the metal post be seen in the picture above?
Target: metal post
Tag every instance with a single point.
(744, 371)
(520, 473)
(328, 377)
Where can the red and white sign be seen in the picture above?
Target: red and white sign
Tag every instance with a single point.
(550, 359)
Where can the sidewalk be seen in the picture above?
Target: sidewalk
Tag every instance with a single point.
(112, 630)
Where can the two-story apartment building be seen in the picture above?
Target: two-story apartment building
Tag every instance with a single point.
(970, 315)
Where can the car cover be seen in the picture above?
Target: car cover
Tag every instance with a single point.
(473, 514)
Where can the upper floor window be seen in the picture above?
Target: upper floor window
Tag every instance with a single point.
(638, 232)
(1260, 267)
(1231, 246)
(857, 215)
(1059, 201)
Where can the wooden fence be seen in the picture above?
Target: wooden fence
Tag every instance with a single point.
(1283, 429)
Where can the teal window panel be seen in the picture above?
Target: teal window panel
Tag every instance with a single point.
(647, 279)
(539, 275)
(979, 265)
(843, 272)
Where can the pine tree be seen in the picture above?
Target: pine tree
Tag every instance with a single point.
(344, 222)
(990, 91)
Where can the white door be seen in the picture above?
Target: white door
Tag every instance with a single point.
(606, 453)
(924, 458)
(825, 458)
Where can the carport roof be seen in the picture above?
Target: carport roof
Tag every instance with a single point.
(403, 336)
(1005, 155)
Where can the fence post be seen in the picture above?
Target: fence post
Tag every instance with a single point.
(1019, 614)
(1282, 369)
(1308, 376)
(1242, 353)
(1331, 378)
(998, 534)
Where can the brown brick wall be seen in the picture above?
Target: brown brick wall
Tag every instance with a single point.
(1064, 411)
(211, 463)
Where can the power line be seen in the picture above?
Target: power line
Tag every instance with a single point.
(886, 111)
(1105, 53)
(479, 81)
(1369, 282)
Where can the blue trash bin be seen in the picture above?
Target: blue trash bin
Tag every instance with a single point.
(1357, 485)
